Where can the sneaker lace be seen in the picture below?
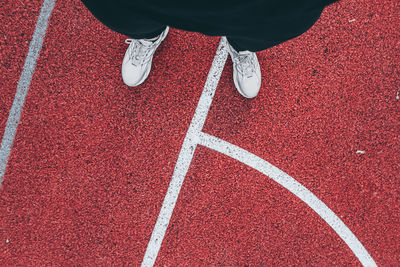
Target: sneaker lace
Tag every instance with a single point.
(140, 51)
(245, 64)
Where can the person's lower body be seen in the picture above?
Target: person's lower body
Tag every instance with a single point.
(146, 35)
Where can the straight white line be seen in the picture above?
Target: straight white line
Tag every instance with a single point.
(294, 187)
(23, 84)
(193, 137)
(186, 154)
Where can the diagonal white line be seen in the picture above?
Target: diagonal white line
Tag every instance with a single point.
(23, 84)
(294, 187)
(193, 137)
(186, 155)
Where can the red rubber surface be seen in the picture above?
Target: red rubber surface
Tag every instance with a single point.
(92, 158)
(320, 102)
(18, 20)
(229, 214)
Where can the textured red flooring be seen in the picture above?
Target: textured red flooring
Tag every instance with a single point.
(320, 102)
(231, 215)
(92, 158)
(18, 20)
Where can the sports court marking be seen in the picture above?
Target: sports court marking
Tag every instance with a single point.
(186, 155)
(23, 84)
(294, 187)
(193, 137)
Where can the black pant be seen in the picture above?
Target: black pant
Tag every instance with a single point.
(141, 27)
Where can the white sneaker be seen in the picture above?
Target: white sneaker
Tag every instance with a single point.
(138, 57)
(246, 72)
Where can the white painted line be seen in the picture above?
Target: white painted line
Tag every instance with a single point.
(193, 137)
(294, 187)
(186, 154)
(23, 84)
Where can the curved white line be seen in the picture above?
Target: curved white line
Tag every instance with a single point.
(294, 187)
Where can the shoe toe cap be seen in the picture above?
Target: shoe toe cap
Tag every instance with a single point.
(249, 87)
(132, 75)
